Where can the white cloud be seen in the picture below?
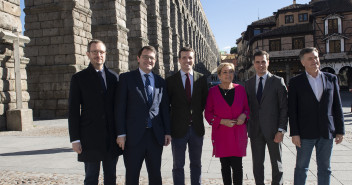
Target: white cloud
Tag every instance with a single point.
(226, 48)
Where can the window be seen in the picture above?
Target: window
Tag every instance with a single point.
(256, 32)
(334, 46)
(275, 45)
(303, 17)
(332, 26)
(289, 19)
(298, 43)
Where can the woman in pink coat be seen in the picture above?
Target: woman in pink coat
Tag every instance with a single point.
(226, 111)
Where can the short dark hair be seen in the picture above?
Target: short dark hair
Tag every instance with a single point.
(261, 53)
(94, 41)
(150, 48)
(307, 50)
(185, 49)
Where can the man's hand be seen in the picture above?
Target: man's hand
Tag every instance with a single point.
(167, 140)
(279, 136)
(228, 122)
(296, 140)
(77, 147)
(121, 142)
(339, 138)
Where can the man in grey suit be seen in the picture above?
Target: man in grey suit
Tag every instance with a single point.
(267, 99)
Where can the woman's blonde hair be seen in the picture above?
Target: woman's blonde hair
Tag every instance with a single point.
(222, 65)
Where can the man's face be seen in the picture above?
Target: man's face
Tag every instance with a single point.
(147, 60)
(261, 64)
(97, 55)
(186, 61)
(311, 62)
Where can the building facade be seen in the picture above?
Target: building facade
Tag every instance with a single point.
(324, 24)
(61, 29)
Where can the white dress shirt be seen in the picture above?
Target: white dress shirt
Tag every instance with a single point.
(151, 79)
(317, 84)
(184, 77)
(263, 81)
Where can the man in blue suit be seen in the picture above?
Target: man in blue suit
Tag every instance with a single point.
(315, 115)
(143, 122)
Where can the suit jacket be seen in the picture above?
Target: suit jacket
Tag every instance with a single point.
(91, 112)
(181, 110)
(133, 111)
(310, 118)
(271, 114)
(227, 141)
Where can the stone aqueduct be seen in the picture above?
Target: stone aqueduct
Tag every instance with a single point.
(61, 29)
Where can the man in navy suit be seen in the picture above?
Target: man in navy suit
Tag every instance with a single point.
(91, 121)
(315, 115)
(143, 123)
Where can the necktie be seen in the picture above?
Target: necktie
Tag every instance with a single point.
(102, 81)
(260, 90)
(149, 96)
(188, 87)
(148, 90)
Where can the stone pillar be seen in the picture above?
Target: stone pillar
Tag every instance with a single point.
(287, 66)
(181, 28)
(137, 25)
(59, 33)
(167, 37)
(109, 25)
(175, 35)
(155, 34)
(10, 12)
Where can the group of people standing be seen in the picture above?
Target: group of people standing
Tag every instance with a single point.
(138, 112)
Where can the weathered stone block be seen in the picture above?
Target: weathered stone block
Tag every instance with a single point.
(19, 119)
(11, 8)
(2, 123)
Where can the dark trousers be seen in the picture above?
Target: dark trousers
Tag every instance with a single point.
(179, 145)
(258, 156)
(92, 172)
(147, 149)
(234, 163)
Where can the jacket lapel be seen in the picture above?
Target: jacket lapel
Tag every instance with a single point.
(140, 85)
(267, 85)
(307, 86)
(179, 85)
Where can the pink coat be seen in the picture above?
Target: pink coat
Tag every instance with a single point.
(227, 141)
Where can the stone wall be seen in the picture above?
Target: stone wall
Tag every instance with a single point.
(60, 30)
(9, 20)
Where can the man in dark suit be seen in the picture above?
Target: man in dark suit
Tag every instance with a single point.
(187, 92)
(143, 123)
(267, 99)
(91, 121)
(316, 116)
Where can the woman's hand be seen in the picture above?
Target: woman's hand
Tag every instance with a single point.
(228, 122)
(241, 119)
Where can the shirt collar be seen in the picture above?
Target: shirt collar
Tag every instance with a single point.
(310, 76)
(264, 76)
(143, 73)
(183, 73)
(102, 70)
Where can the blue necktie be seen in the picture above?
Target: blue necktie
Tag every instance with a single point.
(102, 82)
(149, 96)
(260, 90)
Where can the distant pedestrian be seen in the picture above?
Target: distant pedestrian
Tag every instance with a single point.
(316, 117)
(91, 121)
(226, 111)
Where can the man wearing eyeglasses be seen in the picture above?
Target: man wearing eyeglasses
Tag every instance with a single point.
(142, 118)
(91, 122)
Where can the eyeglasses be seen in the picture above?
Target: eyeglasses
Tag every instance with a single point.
(146, 57)
(96, 52)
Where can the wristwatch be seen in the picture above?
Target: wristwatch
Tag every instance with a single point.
(282, 131)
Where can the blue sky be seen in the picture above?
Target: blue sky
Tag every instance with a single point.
(228, 18)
